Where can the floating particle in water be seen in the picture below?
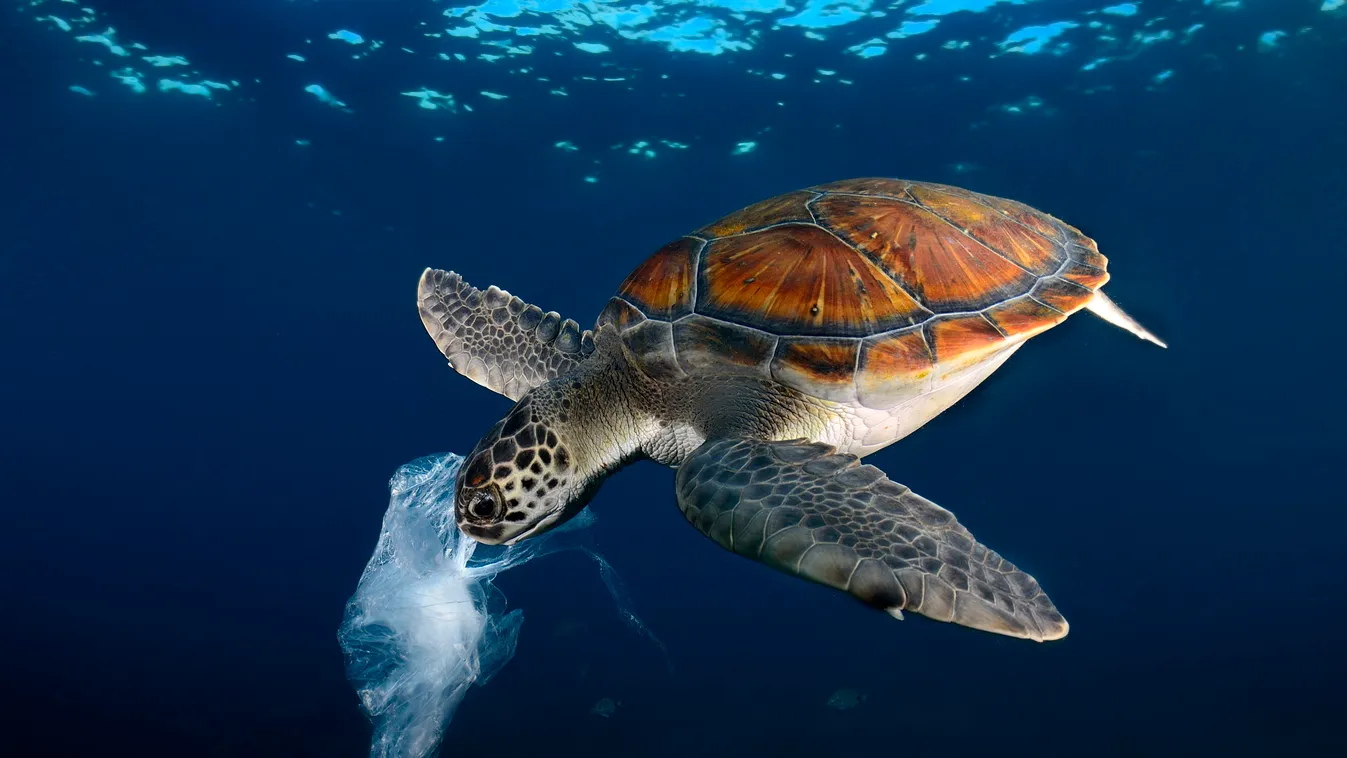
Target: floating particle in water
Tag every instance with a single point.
(641, 147)
(846, 699)
(320, 92)
(1269, 40)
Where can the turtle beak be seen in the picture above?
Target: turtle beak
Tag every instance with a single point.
(543, 525)
(1101, 306)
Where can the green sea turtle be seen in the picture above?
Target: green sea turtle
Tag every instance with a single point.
(762, 356)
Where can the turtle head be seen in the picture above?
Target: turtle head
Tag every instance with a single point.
(521, 480)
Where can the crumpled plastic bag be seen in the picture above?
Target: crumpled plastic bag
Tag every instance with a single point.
(425, 622)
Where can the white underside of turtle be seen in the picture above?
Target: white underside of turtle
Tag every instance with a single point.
(764, 355)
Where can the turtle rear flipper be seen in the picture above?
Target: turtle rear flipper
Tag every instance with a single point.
(496, 339)
(802, 509)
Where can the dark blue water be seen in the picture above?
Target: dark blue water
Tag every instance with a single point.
(213, 364)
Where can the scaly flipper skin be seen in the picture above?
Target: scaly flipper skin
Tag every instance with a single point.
(802, 509)
(496, 339)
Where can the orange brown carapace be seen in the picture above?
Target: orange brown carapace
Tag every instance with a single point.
(828, 366)
(889, 363)
(792, 206)
(799, 279)
(931, 274)
(666, 279)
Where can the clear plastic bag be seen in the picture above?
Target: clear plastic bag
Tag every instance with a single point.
(426, 622)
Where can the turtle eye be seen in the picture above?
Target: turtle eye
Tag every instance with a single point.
(482, 505)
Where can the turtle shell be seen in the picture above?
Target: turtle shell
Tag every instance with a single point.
(865, 290)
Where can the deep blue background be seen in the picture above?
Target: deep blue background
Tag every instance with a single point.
(209, 377)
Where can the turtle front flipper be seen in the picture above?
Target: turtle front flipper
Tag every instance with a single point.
(496, 339)
(803, 509)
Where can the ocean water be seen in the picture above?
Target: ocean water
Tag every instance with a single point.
(214, 217)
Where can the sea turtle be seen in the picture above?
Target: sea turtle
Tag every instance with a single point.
(762, 356)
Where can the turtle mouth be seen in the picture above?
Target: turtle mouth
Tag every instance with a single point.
(487, 535)
(543, 524)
